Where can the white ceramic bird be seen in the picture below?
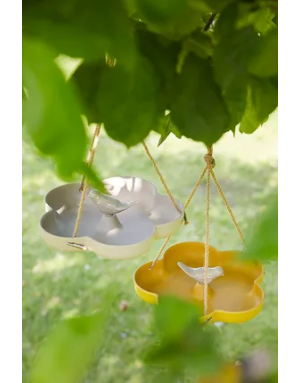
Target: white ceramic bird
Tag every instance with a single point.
(198, 273)
(107, 204)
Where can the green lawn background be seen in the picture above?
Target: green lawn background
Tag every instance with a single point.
(59, 285)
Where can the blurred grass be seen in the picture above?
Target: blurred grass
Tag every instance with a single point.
(57, 285)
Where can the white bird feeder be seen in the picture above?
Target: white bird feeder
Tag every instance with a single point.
(120, 225)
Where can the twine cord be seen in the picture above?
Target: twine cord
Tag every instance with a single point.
(84, 184)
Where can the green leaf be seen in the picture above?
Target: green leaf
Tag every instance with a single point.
(68, 39)
(232, 55)
(68, 350)
(171, 18)
(163, 55)
(170, 308)
(235, 98)
(275, 20)
(165, 128)
(265, 62)
(184, 344)
(52, 110)
(226, 22)
(263, 20)
(260, 16)
(262, 100)
(197, 107)
(231, 60)
(199, 43)
(93, 178)
(127, 102)
(216, 5)
(86, 29)
(263, 244)
(87, 79)
(68, 65)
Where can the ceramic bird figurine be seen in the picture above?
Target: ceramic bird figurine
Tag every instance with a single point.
(198, 273)
(107, 204)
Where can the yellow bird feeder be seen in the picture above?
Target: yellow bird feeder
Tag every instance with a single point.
(228, 288)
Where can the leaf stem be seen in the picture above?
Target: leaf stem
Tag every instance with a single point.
(209, 22)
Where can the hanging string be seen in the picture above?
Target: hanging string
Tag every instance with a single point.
(197, 184)
(84, 184)
(210, 163)
(228, 208)
(163, 181)
(91, 152)
(188, 201)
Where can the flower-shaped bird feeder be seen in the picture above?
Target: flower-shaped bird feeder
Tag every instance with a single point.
(119, 225)
(228, 288)
(234, 292)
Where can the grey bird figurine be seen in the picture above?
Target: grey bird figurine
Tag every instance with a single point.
(198, 273)
(107, 204)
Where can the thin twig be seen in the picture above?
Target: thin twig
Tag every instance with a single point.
(210, 21)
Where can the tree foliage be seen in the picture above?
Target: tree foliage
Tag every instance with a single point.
(212, 64)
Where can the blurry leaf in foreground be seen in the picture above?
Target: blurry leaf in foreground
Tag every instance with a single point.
(263, 244)
(171, 307)
(79, 29)
(68, 350)
(275, 20)
(52, 110)
(92, 177)
(184, 344)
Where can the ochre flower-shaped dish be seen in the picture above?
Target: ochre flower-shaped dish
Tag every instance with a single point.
(235, 297)
(130, 235)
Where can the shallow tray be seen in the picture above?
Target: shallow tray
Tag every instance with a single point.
(235, 297)
(153, 216)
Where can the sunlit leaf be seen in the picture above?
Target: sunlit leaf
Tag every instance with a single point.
(165, 128)
(262, 100)
(52, 110)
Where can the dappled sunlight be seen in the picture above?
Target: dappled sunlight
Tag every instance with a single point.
(51, 304)
(62, 285)
(70, 313)
(58, 263)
